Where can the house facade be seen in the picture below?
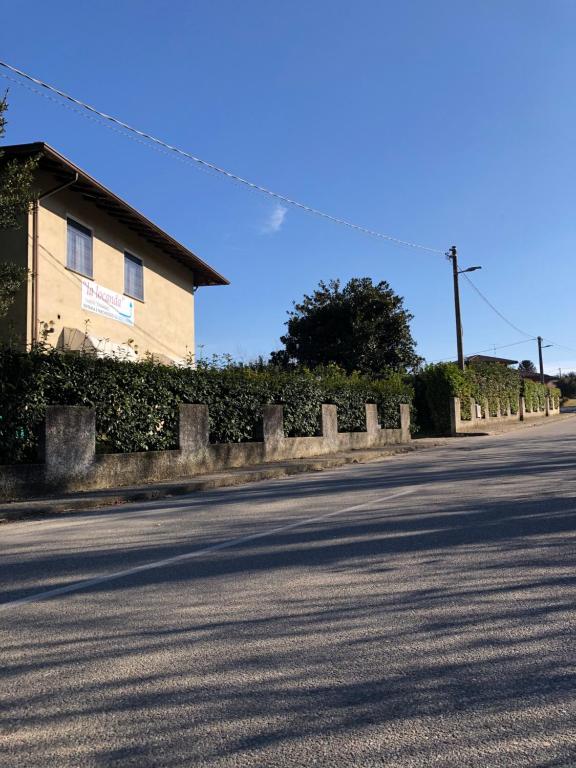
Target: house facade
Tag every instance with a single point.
(102, 277)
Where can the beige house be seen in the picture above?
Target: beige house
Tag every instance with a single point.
(103, 277)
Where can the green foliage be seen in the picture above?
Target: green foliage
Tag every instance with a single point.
(136, 404)
(567, 384)
(535, 395)
(556, 395)
(436, 384)
(351, 393)
(16, 195)
(361, 327)
(496, 383)
(12, 278)
(16, 180)
(527, 366)
(499, 385)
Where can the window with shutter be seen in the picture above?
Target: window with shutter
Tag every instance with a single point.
(133, 277)
(79, 249)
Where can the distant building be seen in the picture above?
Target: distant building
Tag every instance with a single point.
(488, 359)
(550, 381)
(102, 276)
(534, 376)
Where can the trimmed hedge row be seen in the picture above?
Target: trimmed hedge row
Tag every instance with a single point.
(535, 395)
(136, 404)
(436, 384)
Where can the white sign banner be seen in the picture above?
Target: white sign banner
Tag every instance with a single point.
(103, 301)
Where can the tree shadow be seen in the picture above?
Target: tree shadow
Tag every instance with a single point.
(438, 630)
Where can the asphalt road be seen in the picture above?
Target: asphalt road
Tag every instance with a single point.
(415, 612)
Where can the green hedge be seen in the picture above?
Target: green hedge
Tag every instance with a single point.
(535, 395)
(433, 387)
(556, 396)
(436, 384)
(136, 404)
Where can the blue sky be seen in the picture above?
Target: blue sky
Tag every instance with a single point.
(437, 122)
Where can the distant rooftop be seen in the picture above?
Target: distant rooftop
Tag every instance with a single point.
(489, 359)
(535, 376)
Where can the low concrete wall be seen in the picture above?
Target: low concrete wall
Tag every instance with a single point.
(72, 464)
(481, 420)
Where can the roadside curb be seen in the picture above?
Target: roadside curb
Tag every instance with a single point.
(527, 424)
(93, 500)
(88, 500)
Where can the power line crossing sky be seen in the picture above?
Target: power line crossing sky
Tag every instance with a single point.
(435, 123)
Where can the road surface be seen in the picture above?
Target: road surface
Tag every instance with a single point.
(409, 613)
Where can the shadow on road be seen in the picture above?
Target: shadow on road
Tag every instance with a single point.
(445, 615)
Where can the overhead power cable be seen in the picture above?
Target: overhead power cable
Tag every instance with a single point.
(510, 323)
(497, 311)
(503, 346)
(213, 167)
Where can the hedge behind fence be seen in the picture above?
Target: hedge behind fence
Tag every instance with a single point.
(535, 395)
(137, 403)
(494, 382)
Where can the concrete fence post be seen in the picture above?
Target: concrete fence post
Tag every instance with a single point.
(330, 425)
(273, 418)
(473, 415)
(455, 415)
(521, 409)
(486, 410)
(69, 443)
(498, 408)
(405, 423)
(193, 428)
(372, 426)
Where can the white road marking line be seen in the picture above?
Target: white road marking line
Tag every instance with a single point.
(87, 583)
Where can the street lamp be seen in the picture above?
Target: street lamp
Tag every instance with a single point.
(453, 256)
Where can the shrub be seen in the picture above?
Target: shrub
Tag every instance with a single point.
(535, 395)
(436, 384)
(567, 384)
(136, 404)
(496, 383)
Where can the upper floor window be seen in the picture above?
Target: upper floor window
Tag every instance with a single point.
(133, 277)
(79, 253)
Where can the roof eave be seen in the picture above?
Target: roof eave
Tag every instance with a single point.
(118, 208)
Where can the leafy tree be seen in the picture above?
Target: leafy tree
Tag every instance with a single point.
(16, 196)
(12, 277)
(361, 327)
(527, 366)
(567, 384)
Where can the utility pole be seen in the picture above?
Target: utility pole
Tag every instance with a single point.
(540, 348)
(453, 256)
(540, 358)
